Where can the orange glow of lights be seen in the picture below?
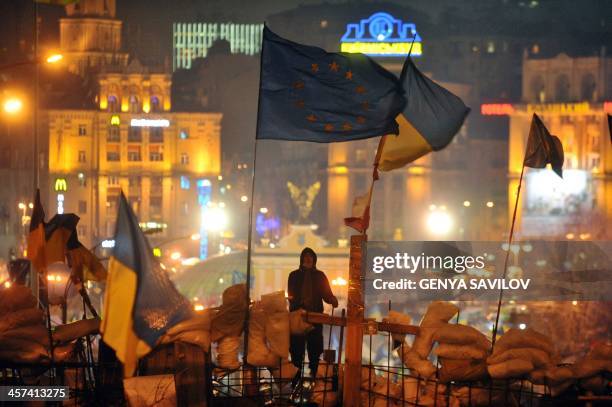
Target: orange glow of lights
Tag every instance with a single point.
(496, 109)
(339, 281)
(54, 58)
(13, 105)
(7, 284)
(607, 106)
(198, 307)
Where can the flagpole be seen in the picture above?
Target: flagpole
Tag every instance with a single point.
(501, 291)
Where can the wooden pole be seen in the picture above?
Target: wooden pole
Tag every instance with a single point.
(354, 329)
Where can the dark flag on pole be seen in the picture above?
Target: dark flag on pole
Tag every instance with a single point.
(308, 94)
(36, 236)
(543, 148)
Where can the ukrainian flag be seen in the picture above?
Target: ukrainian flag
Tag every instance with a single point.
(429, 121)
(140, 302)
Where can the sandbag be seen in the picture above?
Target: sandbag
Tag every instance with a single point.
(323, 393)
(229, 320)
(537, 357)
(297, 325)
(395, 317)
(274, 302)
(450, 351)
(481, 397)
(457, 334)
(277, 333)
(259, 354)
(528, 338)
(227, 352)
(601, 351)
(513, 368)
(198, 338)
(284, 372)
(22, 356)
(63, 352)
(590, 367)
(23, 317)
(437, 315)
(145, 391)
(422, 367)
(462, 370)
(35, 333)
(16, 297)
(200, 322)
(597, 384)
(22, 344)
(77, 329)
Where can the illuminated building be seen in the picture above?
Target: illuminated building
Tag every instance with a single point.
(193, 40)
(572, 96)
(132, 142)
(90, 36)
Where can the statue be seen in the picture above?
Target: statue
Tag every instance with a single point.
(303, 198)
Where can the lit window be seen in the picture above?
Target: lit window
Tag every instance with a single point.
(82, 157)
(113, 106)
(185, 183)
(82, 179)
(184, 158)
(156, 153)
(113, 180)
(490, 47)
(134, 104)
(82, 130)
(112, 156)
(184, 134)
(155, 105)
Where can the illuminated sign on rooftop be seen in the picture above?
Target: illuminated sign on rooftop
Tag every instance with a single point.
(382, 35)
(149, 122)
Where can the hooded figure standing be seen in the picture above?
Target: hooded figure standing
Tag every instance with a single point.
(308, 288)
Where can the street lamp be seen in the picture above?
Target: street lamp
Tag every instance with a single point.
(13, 105)
(439, 222)
(54, 58)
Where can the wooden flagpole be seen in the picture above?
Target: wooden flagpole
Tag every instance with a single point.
(501, 291)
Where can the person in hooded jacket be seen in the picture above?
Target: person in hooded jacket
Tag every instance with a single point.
(307, 288)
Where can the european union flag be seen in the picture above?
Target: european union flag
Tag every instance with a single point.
(308, 94)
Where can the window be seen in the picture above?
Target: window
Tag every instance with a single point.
(134, 182)
(135, 134)
(113, 106)
(155, 153)
(114, 134)
(82, 130)
(490, 47)
(155, 206)
(155, 104)
(185, 182)
(134, 104)
(82, 206)
(112, 156)
(562, 88)
(134, 153)
(156, 135)
(113, 180)
(82, 157)
(184, 158)
(184, 134)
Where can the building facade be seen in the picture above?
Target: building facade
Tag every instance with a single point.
(572, 96)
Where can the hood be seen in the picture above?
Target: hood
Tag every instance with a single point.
(308, 250)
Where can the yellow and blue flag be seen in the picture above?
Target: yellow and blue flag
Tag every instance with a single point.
(140, 303)
(430, 120)
(308, 94)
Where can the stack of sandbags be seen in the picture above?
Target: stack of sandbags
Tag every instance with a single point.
(145, 391)
(259, 353)
(227, 352)
(23, 335)
(195, 331)
(74, 330)
(277, 323)
(284, 371)
(520, 352)
(462, 352)
(415, 358)
(377, 391)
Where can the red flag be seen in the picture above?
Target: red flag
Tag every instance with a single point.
(360, 219)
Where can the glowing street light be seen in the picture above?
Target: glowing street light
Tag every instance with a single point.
(490, 204)
(13, 106)
(439, 222)
(175, 255)
(215, 219)
(54, 58)
(195, 236)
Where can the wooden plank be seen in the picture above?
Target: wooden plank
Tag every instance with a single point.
(325, 319)
(354, 330)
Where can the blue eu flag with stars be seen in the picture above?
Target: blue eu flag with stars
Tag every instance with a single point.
(308, 94)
